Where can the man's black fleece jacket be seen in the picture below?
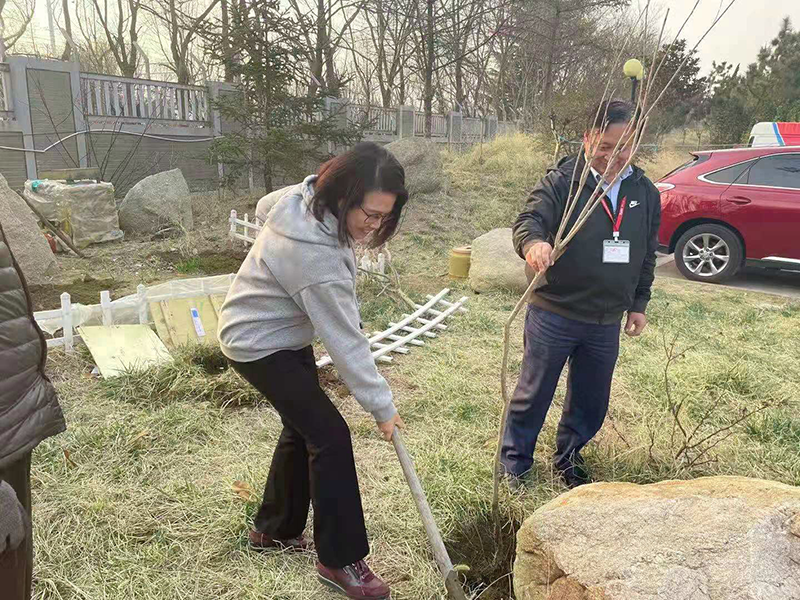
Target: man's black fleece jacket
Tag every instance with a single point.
(580, 285)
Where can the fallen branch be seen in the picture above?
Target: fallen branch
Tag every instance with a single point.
(53, 228)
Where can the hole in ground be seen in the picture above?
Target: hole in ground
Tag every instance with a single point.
(210, 359)
(490, 564)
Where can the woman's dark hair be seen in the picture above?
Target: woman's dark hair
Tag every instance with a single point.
(610, 112)
(344, 180)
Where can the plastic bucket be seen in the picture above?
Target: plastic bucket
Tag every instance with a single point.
(459, 262)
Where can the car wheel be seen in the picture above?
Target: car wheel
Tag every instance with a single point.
(708, 252)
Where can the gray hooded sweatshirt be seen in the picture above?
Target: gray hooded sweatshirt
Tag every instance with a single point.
(298, 281)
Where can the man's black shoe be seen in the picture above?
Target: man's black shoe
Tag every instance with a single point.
(575, 475)
(515, 483)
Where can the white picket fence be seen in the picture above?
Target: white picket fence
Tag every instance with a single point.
(426, 321)
(243, 229)
(63, 322)
(247, 231)
(406, 332)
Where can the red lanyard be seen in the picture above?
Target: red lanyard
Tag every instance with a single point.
(618, 221)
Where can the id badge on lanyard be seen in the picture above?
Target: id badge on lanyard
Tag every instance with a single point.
(616, 251)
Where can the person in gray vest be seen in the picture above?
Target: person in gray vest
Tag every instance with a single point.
(29, 413)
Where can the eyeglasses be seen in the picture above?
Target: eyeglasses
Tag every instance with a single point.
(379, 218)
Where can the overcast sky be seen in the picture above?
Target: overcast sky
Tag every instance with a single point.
(737, 38)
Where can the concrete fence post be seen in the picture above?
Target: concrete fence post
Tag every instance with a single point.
(214, 90)
(491, 127)
(455, 127)
(18, 67)
(79, 112)
(406, 122)
(337, 109)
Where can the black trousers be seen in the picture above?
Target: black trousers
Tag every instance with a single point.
(313, 461)
(550, 342)
(16, 567)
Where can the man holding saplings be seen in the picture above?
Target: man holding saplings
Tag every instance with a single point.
(606, 271)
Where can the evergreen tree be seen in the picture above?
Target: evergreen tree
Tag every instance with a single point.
(275, 127)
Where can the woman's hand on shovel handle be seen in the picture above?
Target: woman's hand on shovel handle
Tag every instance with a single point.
(387, 427)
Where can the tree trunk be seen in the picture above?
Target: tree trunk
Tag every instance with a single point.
(460, 84)
(226, 44)
(267, 177)
(68, 28)
(429, 58)
(401, 89)
(134, 36)
(317, 62)
(551, 56)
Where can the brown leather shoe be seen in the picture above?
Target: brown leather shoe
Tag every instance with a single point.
(355, 581)
(261, 541)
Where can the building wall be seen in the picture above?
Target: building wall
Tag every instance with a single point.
(126, 159)
(12, 164)
(52, 109)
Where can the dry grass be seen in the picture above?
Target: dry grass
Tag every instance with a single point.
(658, 165)
(153, 503)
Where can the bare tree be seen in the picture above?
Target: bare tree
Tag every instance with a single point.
(16, 15)
(182, 21)
(226, 45)
(389, 25)
(329, 21)
(67, 54)
(119, 25)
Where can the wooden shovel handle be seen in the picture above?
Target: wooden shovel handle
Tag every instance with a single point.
(439, 551)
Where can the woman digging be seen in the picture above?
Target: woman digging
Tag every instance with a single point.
(297, 281)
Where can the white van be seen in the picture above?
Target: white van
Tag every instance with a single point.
(774, 134)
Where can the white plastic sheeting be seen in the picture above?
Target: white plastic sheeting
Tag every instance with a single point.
(134, 308)
(87, 209)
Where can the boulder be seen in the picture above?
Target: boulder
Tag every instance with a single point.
(156, 203)
(495, 265)
(267, 202)
(715, 538)
(25, 238)
(422, 162)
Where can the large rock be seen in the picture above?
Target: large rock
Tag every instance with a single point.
(266, 204)
(495, 265)
(157, 202)
(24, 236)
(715, 538)
(422, 162)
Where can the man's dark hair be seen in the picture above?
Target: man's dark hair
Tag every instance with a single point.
(344, 180)
(610, 112)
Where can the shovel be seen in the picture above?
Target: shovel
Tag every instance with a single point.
(451, 584)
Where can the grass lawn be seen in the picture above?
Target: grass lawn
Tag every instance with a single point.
(148, 494)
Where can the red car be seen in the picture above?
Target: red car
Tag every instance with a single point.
(727, 208)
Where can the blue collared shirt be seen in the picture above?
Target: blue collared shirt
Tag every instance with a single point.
(612, 193)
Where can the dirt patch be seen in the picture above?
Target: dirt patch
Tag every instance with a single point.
(84, 291)
(490, 564)
(208, 262)
(210, 359)
(329, 380)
